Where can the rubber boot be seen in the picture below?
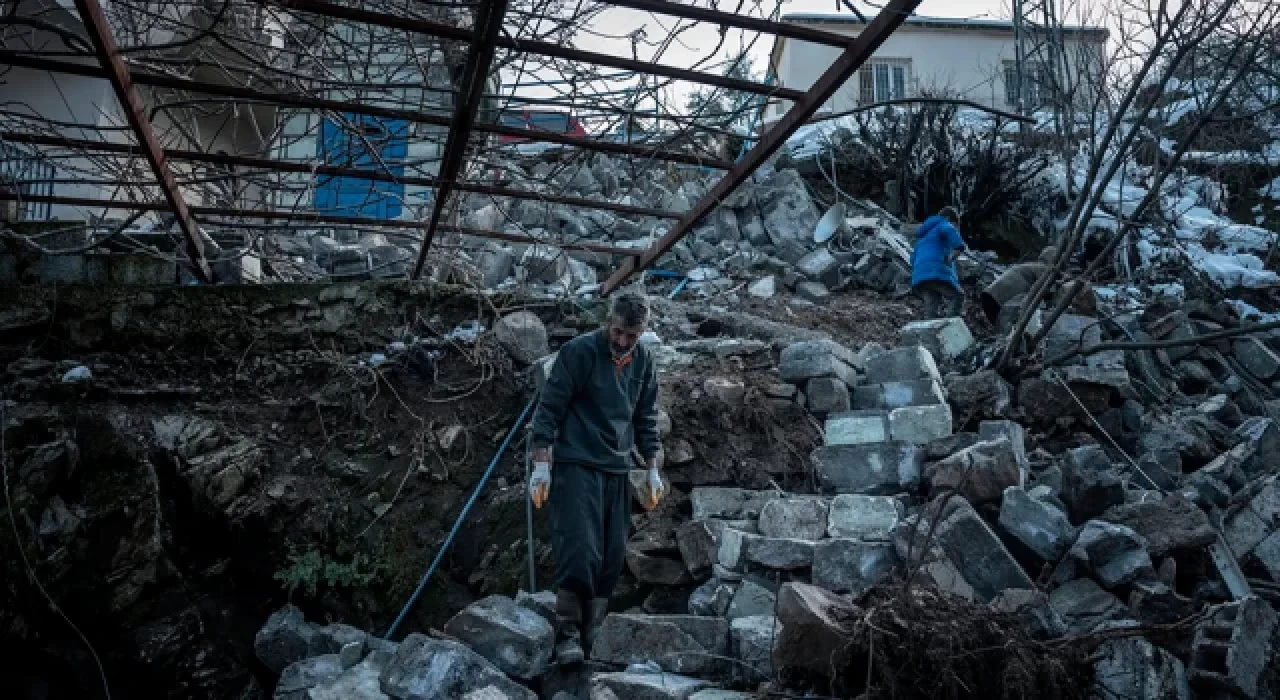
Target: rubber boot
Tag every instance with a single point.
(568, 641)
(596, 611)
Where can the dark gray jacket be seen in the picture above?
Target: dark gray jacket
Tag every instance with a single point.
(592, 412)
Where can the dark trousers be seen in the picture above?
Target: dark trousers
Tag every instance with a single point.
(937, 295)
(590, 516)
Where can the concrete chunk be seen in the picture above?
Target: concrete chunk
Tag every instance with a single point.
(1115, 554)
(965, 557)
(980, 473)
(878, 468)
(826, 395)
(852, 566)
(1041, 526)
(1085, 607)
(903, 365)
(728, 503)
(644, 686)
(870, 518)
(677, 643)
(857, 427)
(891, 395)
(920, 424)
(515, 639)
(810, 359)
(797, 518)
(1232, 648)
(1256, 358)
(947, 338)
(779, 552)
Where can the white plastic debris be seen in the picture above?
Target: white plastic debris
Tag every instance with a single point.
(467, 333)
(77, 374)
(650, 338)
(703, 274)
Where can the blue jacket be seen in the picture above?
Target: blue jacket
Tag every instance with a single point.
(936, 239)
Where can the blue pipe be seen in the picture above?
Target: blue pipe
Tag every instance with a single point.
(457, 525)
(679, 288)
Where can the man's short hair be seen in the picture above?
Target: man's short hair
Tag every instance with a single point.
(629, 309)
(950, 214)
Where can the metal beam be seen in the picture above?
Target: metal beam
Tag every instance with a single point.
(885, 23)
(248, 94)
(95, 22)
(313, 217)
(542, 48)
(306, 168)
(730, 19)
(475, 74)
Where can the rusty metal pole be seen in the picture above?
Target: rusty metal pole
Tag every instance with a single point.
(474, 76)
(858, 51)
(95, 22)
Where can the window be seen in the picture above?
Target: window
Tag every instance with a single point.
(1039, 83)
(883, 79)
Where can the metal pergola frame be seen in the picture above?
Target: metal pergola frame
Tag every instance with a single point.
(485, 37)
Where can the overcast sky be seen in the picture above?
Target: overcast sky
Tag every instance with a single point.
(694, 45)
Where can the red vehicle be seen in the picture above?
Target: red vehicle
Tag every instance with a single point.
(541, 120)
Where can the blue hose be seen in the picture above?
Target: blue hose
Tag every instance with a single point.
(457, 525)
(679, 288)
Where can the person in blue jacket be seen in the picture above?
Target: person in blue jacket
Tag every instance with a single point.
(933, 264)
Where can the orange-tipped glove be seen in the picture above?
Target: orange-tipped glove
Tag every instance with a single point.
(654, 489)
(540, 483)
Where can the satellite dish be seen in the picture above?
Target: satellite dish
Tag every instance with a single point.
(830, 224)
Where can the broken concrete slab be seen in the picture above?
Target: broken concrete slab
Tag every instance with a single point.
(1231, 649)
(796, 518)
(678, 643)
(1167, 525)
(980, 473)
(810, 359)
(515, 639)
(1040, 526)
(1085, 607)
(964, 557)
(852, 566)
(890, 395)
(946, 338)
(869, 518)
(815, 629)
(882, 468)
(920, 424)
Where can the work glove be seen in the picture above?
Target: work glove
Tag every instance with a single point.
(540, 483)
(654, 490)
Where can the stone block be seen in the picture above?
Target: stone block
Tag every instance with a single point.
(1042, 527)
(731, 392)
(852, 566)
(857, 427)
(1268, 555)
(1231, 649)
(983, 394)
(903, 365)
(890, 395)
(827, 395)
(920, 424)
(1084, 607)
(728, 503)
(965, 557)
(423, 668)
(980, 473)
(1245, 528)
(883, 468)
(815, 292)
(1256, 358)
(820, 266)
(284, 639)
(816, 628)
(996, 429)
(1090, 483)
(698, 547)
(946, 338)
(712, 598)
(868, 518)
(1167, 525)
(1071, 332)
(1114, 554)
(1262, 435)
(1033, 607)
(751, 599)
(732, 552)
(811, 359)
(524, 337)
(677, 643)
(779, 552)
(1135, 669)
(796, 518)
(515, 639)
(657, 569)
(752, 639)
(627, 685)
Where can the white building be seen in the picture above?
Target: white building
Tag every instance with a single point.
(969, 58)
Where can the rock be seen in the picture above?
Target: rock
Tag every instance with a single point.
(1262, 436)
(751, 599)
(752, 639)
(1232, 649)
(815, 292)
(1090, 485)
(1256, 358)
(868, 518)
(1133, 668)
(890, 395)
(797, 518)
(820, 266)
(728, 503)
(712, 598)
(657, 569)
(515, 639)
(1085, 607)
(496, 264)
(996, 429)
(852, 566)
(1072, 332)
(543, 263)
(732, 553)
(677, 643)
(811, 359)
(856, 427)
(882, 468)
(298, 678)
(983, 394)
(644, 686)
(826, 396)
(523, 336)
(816, 629)
(1040, 526)
(219, 477)
(698, 547)
(920, 424)
(763, 288)
(285, 639)
(542, 602)
(728, 391)
(947, 338)
(903, 365)
(1169, 524)
(1246, 527)
(980, 473)
(1033, 606)
(964, 557)
(423, 668)
(1114, 554)
(779, 552)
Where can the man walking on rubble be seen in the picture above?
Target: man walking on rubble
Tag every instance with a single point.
(933, 264)
(599, 403)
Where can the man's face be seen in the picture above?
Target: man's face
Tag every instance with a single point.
(622, 338)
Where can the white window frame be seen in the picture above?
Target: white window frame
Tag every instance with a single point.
(884, 79)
